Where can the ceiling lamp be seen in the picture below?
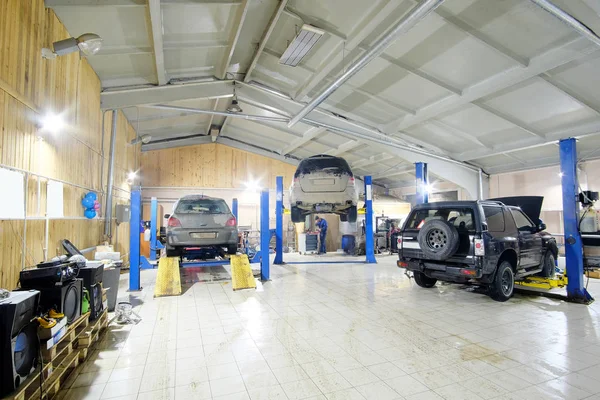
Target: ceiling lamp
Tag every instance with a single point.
(234, 107)
(304, 41)
(88, 43)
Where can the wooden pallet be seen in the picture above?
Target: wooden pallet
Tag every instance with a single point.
(93, 331)
(593, 274)
(59, 361)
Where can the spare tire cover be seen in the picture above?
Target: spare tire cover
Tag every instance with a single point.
(438, 239)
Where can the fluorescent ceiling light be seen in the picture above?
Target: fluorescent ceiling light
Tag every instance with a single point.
(306, 39)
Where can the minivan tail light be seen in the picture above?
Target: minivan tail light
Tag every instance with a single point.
(231, 222)
(479, 247)
(173, 223)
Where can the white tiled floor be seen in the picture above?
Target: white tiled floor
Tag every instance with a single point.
(345, 331)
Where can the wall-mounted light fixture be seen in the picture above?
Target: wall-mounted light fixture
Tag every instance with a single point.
(145, 139)
(53, 123)
(88, 43)
(131, 177)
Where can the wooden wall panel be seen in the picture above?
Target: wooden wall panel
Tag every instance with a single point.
(30, 87)
(211, 166)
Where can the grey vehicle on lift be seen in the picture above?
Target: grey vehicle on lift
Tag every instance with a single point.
(201, 222)
(487, 242)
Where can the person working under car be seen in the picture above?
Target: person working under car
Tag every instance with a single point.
(322, 225)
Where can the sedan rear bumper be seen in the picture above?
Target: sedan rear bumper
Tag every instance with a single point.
(183, 237)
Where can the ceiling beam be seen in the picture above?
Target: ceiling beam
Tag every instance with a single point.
(164, 94)
(365, 162)
(186, 140)
(344, 147)
(371, 21)
(569, 92)
(238, 24)
(212, 116)
(565, 52)
(452, 131)
(578, 132)
(308, 136)
(394, 172)
(265, 38)
(468, 30)
(507, 118)
(156, 27)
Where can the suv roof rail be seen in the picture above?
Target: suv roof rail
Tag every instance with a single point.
(492, 202)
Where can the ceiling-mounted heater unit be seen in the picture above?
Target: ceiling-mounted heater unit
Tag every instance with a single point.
(304, 41)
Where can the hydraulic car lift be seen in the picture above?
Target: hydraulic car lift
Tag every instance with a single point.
(573, 276)
(369, 239)
(138, 262)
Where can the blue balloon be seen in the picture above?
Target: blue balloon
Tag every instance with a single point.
(87, 202)
(92, 196)
(89, 214)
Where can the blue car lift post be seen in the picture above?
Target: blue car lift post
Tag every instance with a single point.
(369, 239)
(576, 290)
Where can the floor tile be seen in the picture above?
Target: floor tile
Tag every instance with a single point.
(161, 394)
(93, 392)
(316, 368)
(91, 378)
(275, 392)
(346, 394)
(331, 383)
(378, 390)
(301, 389)
(221, 387)
(406, 385)
(223, 371)
(359, 376)
(386, 370)
(122, 374)
(121, 388)
(260, 379)
(290, 374)
(194, 391)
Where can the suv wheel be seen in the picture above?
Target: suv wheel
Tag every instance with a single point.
(548, 265)
(423, 280)
(297, 216)
(503, 286)
(438, 239)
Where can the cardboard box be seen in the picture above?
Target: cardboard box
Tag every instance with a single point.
(51, 332)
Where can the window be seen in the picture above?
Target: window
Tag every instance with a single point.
(333, 165)
(523, 223)
(494, 218)
(202, 206)
(461, 218)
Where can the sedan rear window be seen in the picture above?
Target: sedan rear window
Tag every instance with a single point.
(461, 218)
(202, 206)
(333, 165)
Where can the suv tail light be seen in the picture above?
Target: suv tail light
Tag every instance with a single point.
(173, 223)
(231, 222)
(399, 241)
(479, 247)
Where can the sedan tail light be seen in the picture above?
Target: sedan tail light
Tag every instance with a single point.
(231, 222)
(173, 223)
(351, 181)
(479, 247)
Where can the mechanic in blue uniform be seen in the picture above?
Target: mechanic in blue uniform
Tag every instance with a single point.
(322, 225)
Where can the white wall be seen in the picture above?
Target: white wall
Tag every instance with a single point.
(544, 182)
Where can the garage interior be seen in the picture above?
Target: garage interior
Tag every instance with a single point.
(113, 110)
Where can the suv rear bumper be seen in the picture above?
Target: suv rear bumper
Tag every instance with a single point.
(443, 271)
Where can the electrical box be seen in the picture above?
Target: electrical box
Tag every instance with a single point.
(122, 213)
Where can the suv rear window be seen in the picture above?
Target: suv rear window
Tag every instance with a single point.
(462, 218)
(202, 206)
(333, 165)
(495, 218)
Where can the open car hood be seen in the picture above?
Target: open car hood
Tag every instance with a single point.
(531, 205)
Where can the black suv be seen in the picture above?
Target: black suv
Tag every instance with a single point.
(489, 242)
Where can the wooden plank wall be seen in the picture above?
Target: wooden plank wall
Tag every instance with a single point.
(30, 86)
(211, 166)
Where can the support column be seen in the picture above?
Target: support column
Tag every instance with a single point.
(153, 227)
(576, 291)
(234, 209)
(135, 218)
(265, 236)
(369, 231)
(279, 221)
(422, 183)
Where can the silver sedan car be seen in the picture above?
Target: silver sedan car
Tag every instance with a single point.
(201, 222)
